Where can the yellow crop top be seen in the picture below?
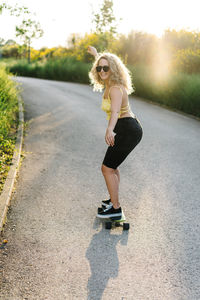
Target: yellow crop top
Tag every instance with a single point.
(106, 106)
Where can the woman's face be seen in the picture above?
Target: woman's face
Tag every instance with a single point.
(104, 75)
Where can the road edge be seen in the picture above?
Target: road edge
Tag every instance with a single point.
(6, 194)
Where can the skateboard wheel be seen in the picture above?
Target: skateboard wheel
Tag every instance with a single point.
(99, 210)
(108, 225)
(117, 224)
(126, 226)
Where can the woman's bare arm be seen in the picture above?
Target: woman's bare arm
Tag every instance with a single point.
(116, 101)
(92, 51)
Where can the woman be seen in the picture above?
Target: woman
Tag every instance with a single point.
(124, 131)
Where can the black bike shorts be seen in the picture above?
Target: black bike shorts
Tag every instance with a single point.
(128, 134)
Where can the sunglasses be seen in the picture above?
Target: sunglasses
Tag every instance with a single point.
(105, 68)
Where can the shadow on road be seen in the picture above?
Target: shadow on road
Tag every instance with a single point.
(103, 258)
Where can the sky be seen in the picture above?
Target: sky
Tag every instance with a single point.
(61, 18)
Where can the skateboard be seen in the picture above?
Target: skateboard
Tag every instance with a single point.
(116, 221)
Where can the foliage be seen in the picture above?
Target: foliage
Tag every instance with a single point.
(136, 47)
(10, 51)
(8, 122)
(14, 11)
(105, 20)
(182, 39)
(8, 102)
(179, 90)
(103, 42)
(63, 69)
(19, 51)
(28, 30)
(80, 45)
(187, 60)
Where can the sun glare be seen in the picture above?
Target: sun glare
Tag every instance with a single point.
(161, 66)
(156, 16)
(151, 16)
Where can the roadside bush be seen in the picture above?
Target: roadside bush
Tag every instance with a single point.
(187, 60)
(178, 90)
(10, 51)
(8, 122)
(64, 69)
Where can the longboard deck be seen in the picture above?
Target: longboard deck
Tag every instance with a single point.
(118, 219)
(114, 219)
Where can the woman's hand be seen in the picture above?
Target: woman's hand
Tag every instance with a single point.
(110, 137)
(92, 51)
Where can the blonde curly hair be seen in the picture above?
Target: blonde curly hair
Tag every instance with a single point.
(119, 74)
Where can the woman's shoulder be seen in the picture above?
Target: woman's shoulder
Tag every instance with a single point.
(117, 87)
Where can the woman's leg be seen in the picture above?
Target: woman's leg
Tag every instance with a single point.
(112, 179)
(118, 174)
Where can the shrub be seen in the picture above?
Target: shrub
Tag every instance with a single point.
(8, 122)
(179, 90)
(187, 60)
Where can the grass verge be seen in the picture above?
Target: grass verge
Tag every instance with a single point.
(8, 122)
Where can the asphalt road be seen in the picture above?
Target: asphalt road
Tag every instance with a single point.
(57, 249)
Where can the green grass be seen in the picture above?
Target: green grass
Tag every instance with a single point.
(8, 122)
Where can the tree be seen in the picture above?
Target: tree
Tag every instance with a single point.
(28, 30)
(182, 39)
(14, 11)
(11, 50)
(105, 25)
(187, 61)
(105, 20)
(73, 39)
(10, 42)
(2, 41)
(136, 47)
